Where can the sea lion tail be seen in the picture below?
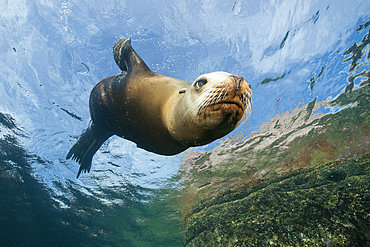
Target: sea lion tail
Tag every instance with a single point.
(86, 146)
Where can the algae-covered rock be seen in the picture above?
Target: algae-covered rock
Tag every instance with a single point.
(327, 205)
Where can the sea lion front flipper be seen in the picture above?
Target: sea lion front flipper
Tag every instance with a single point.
(86, 146)
(126, 57)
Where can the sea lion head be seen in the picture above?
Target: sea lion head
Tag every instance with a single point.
(218, 98)
(216, 104)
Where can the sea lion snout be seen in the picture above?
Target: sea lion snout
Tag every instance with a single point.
(240, 86)
(225, 98)
(238, 80)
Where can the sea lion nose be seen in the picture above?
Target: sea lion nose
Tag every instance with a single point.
(238, 82)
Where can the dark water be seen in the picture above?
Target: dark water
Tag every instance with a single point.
(29, 216)
(54, 52)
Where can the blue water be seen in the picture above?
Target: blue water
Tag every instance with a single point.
(54, 52)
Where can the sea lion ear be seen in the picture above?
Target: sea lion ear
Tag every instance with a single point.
(126, 57)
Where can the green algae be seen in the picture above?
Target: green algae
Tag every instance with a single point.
(313, 79)
(356, 51)
(324, 205)
(310, 107)
(268, 80)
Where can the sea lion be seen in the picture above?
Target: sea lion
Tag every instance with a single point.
(160, 114)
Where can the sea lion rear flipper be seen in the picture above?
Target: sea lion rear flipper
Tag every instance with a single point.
(126, 57)
(86, 146)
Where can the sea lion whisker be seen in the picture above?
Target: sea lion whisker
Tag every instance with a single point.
(203, 102)
(244, 100)
(205, 105)
(219, 95)
(209, 98)
(196, 104)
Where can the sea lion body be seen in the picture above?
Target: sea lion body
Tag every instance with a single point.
(160, 114)
(135, 106)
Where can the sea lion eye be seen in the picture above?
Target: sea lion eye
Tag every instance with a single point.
(200, 83)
